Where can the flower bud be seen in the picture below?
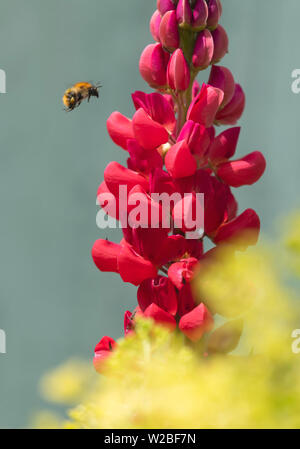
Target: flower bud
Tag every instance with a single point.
(153, 65)
(233, 111)
(214, 13)
(221, 43)
(200, 15)
(196, 323)
(184, 13)
(203, 50)
(168, 31)
(178, 72)
(164, 6)
(179, 161)
(160, 291)
(154, 25)
(222, 78)
(245, 171)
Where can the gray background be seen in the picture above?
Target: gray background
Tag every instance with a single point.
(53, 301)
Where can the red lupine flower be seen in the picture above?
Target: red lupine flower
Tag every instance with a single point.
(243, 229)
(168, 31)
(115, 175)
(158, 107)
(147, 132)
(120, 129)
(128, 323)
(102, 351)
(233, 111)
(173, 150)
(160, 316)
(105, 255)
(179, 161)
(178, 72)
(221, 43)
(134, 268)
(224, 145)
(205, 105)
(197, 138)
(182, 272)
(245, 171)
(196, 323)
(160, 291)
(222, 78)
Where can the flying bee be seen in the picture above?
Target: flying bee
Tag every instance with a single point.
(80, 91)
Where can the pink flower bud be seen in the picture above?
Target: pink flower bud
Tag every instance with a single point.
(221, 43)
(184, 13)
(233, 111)
(120, 129)
(200, 15)
(214, 13)
(153, 65)
(245, 171)
(178, 73)
(203, 50)
(179, 161)
(164, 6)
(155, 24)
(160, 316)
(148, 133)
(196, 136)
(168, 31)
(246, 226)
(102, 351)
(222, 78)
(104, 254)
(224, 145)
(133, 268)
(205, 105)
(115, 175)
(160, 291)
(196, 323)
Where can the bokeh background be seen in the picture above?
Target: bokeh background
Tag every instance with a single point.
(53, 302)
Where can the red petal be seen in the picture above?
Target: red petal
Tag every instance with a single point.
(120, 129)
(179, 161)
(148, 133)
(196, 323)
(104, 254)
(134, 268)
(245, 171)
(160, 316)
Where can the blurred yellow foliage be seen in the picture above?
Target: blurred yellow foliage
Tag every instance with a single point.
(156, 380)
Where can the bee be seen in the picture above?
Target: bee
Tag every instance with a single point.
(76, 94)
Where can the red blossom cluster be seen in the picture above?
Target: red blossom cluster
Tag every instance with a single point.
(173, 146)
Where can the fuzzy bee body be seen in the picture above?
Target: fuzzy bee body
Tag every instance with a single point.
(80, 91)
